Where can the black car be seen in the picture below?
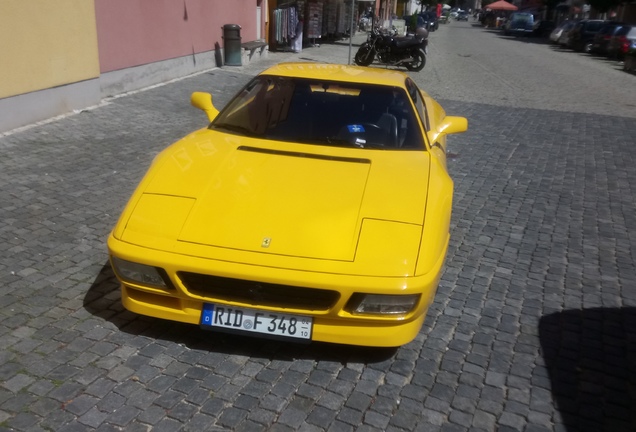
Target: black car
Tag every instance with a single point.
(519, 24)
(462, 16)
(582, 35)
(601, 40)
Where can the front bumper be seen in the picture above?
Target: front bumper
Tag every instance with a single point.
(332, 322)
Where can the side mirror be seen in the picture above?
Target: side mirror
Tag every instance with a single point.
(453, 125)
(203, 101)
(449, 125)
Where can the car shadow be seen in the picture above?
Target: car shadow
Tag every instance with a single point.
(103, 300)
(539, 40)
(610, 61)
(564, 49)
(590, 355)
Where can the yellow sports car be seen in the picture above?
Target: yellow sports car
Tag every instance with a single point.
(314, 207)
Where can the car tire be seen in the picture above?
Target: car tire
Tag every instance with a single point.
(419, 61)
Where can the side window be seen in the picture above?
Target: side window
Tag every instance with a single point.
(414, 94)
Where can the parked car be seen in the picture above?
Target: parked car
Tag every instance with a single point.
(560, 34)
(582, 35)
(316, 206)
(620, 42)
(630, 58)
(519, 24)
(601, 39)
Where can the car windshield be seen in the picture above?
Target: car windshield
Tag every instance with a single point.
(323, 112)
(522, 18)
(595, 26)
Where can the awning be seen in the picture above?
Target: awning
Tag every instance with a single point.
(501, 5)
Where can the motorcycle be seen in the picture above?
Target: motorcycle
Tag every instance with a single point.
(409, 51)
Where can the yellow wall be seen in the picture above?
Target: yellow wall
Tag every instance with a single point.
(46, 43)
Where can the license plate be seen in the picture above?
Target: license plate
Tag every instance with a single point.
(275, 324)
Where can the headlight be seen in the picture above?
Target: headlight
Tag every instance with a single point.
(139, 273)
(378, 304)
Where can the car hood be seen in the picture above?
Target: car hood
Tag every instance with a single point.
(242, 194)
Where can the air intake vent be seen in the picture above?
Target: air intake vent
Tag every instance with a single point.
(258, 293)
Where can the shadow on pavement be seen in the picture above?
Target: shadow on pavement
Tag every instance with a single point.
(103, 300)
(591, 358)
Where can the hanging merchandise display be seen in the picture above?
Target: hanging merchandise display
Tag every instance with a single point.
(284, 24)
(336, 18)
(341, 20)
(343, 26)
(314, 20)
(288, 26)
(330, 16)
(311, 20)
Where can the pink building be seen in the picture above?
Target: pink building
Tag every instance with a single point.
(70, 55)
(144, 42)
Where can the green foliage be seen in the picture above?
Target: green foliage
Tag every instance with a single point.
(413, 23)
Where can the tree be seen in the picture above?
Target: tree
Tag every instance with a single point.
(604, 6)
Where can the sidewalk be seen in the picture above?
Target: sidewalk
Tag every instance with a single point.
(330, 52)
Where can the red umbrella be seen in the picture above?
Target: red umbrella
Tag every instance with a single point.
(501, 5)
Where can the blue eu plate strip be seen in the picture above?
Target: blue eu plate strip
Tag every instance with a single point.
(207, 314)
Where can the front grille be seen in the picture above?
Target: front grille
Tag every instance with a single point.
(258, 293)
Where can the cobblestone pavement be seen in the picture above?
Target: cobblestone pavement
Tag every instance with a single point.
(532, 327)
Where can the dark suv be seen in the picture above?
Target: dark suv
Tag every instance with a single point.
(601, 39)
(582, 35)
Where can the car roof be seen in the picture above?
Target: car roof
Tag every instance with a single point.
(338, 72)
(610, 28)
(612, 24)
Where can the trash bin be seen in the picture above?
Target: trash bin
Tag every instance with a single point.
(232, 44)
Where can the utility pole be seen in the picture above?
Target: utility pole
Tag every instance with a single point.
(351, 29)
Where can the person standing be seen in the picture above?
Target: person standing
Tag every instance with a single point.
(297, 42)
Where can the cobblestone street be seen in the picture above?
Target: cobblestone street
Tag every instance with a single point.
(533, 327)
